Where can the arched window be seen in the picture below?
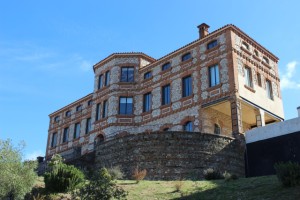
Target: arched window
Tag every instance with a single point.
(217, 129)
(188, 126)
(166, 129)
(99, 139)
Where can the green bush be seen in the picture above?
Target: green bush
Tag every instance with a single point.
(63, 178)
(288, 173)
(211, 174)
(116, 173)
(101, 186)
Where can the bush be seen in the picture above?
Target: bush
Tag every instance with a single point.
(101, 186)
(288, 173)
(139, 175)
(227, 176)
(63, 178)
(178, 185)
(116, 173)
(211, 174)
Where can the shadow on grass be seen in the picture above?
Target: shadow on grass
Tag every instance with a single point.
(133, 183)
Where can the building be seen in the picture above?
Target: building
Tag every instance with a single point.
(223, 83)
(269, 145)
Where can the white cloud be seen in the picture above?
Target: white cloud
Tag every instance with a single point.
(287, 81)
(33, 155)
(85, 65)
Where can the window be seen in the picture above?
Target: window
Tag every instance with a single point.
(258, 79)
(266, 60)
(212, 44)
(166, 66)
(217, 129)
(186, 56)
(256, 53)
(166, 129)
(98, 111)
(147, 102)
(54, 140)
(127, 74)
(90, 102)
(248, 79)
(56, 119)
(186, 86)
(78, 108)
(100, 82)
(214, 76)
(188, 126)
(126, 106)
(68, 113)
(65, 135)
(148, 75)
(245, 45)
(105, 109)
(107, 78)
(77, 130)
(88, 126)
(269, 89)
(166, 95)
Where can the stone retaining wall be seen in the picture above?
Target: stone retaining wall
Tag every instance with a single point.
(172, 155)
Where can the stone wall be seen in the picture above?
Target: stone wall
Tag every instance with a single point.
(172, 155)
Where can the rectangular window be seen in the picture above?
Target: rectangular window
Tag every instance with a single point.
(147, 102)
(105, 108)
(214, 76)
(126, 106)
(258, 79)
(100, 82)
(127, 74)
(166, 95)
(212, 44)
(269, 89)
(107, 78)
(147, 75)
(186, 56)
(78, 108)
(88, 126)
(56, 119)
(98, 111)
(77, 130)
(90, 102)
(66, 135)
(248, 77)
(166, 66)
(68, 113)
(54, 140)
(187, 86)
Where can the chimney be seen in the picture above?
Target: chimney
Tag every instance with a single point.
(298, 111)
(203, 30)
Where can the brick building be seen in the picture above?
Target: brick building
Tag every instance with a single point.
(222, 83)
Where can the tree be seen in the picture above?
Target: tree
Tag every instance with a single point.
(16, 176)
(101, 186)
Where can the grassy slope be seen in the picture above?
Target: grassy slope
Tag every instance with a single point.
(265, 188)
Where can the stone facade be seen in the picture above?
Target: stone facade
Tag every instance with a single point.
(218, 100)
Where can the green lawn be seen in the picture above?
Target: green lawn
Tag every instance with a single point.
(256, 188)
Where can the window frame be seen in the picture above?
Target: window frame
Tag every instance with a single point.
(54, 140)
(88, 125)
(127, 111)
(214, 75)
(66, 134)
(248, 76)
(127, 74)
(186, 56)
(107, 78)
(245, 45)
(105, 109)
(79, 108)
(56, 119)
(166, 93)
(212, 44)
(75, 136)
(100, 81)
(269, 89)
(266, 60)
(90, 102)
(148, 75)
(166, 66)
(98, 111)
(217, 129)
(187, 86)
(147, 102)
(188, 126)
(258, 76)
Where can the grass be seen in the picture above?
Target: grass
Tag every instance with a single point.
(266, 187)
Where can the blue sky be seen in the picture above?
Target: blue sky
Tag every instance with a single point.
(48, 48)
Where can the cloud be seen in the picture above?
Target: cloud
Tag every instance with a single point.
(287, 81)
(33, 155)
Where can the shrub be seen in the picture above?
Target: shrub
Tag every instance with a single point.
(63, 178)
(211, 174)
(178, 185)
(101, 186)
(139, 175)
(227, 176)
(116, 173)
(288, 173)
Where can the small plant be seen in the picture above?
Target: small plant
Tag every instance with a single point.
(228, 177)
(178, 185)
(139, 175)
(211, 174)
(116, 173)
(288, 173)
